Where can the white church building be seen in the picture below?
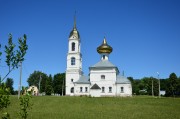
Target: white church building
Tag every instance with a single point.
(104, 78)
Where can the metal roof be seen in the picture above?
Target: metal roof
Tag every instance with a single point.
(83, 80)
(122, 80)
(103, 63)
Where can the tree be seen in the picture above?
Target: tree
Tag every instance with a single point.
(58, 83)
(0, 53)
(172, 85)
(34, 79)
(178, 87)
(14, 57)
(9, 84)
(49, 88)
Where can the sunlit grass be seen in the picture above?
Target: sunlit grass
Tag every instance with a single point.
(140, 107)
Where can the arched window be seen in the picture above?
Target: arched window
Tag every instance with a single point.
(110, 89)
(102, 76)
(122, 89)
(81, 89)
(103, 56)
(72, 80)
(73, 61)
(73, 46)
(72, 90)
(86, 89)
(103, 89)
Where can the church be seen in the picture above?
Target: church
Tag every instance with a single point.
(104, 79)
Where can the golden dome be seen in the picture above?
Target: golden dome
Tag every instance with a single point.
(104, 48)
(75, 33)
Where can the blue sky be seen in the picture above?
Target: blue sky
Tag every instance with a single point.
(144, 34)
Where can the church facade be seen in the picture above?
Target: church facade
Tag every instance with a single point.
(104, 77)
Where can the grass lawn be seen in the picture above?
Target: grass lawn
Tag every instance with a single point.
(139, 107)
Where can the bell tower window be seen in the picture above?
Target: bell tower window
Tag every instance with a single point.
(73, 46)
(102, 76)
(72, 90)
(73, 61)
(103, 57)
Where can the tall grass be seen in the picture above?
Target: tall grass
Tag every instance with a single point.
(140, 107)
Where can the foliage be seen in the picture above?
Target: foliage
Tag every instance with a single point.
(58, 83)
(34, 79)
(171, 89)
(49, 88)
(4, 100)
(9, 84)
(4, 96)
(14, 57)
(0, 53)
(25, 106)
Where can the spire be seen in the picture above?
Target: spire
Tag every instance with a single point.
(104, 41)
(75, 21)
(74, 30)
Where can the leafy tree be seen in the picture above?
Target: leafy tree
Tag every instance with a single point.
(9, 84)
(49, 88)
(34, 79)
(172, 85)
(14, 57)
(25, 104)
(136, 88)
(4, 100)
(178, 87)
(58, 83)
(0, 53)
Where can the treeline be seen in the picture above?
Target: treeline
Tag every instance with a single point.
(144, 86)
(48, 84)
(56, 84)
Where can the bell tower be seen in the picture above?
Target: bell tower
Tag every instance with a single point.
(74, 60)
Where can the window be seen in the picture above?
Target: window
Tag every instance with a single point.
(81, 89)
(73, 46)
(71, 80)
(110, 89)
(102, 76)
(122, 89)
(72, 90)
(86, 89)
(73, 61)
(103, 89)
(103, 56)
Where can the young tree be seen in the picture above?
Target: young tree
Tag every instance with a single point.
(14, 57)
(9, 84)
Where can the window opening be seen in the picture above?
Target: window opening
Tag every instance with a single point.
(73, 61)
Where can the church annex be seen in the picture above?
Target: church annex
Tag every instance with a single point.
(104, 77)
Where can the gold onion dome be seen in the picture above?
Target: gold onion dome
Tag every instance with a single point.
(104, 48)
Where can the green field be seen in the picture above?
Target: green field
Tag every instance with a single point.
(140, 107)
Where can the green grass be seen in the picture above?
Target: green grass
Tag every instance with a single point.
(140, 107)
